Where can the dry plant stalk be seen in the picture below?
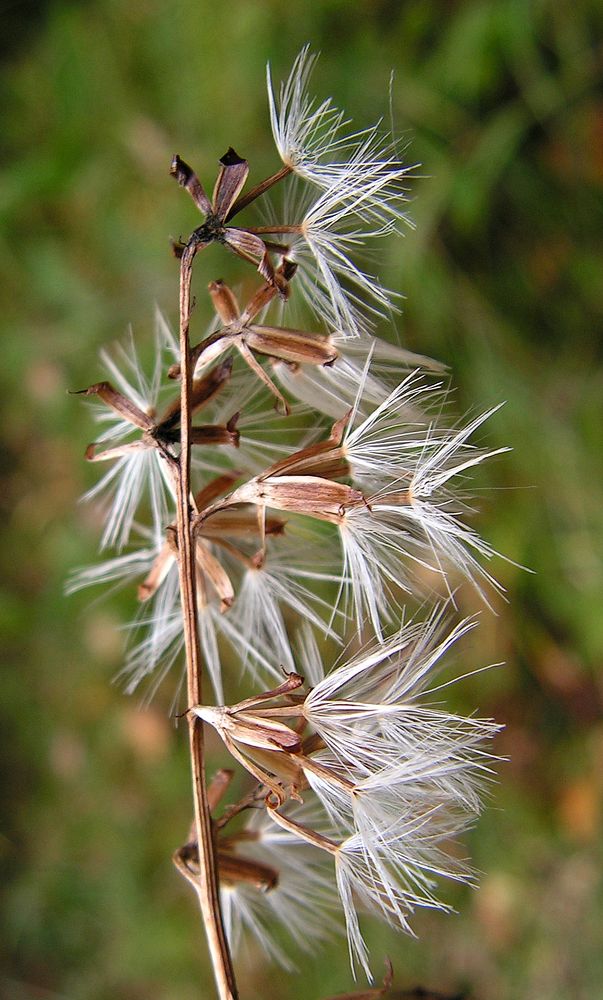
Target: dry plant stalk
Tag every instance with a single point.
(358, 775)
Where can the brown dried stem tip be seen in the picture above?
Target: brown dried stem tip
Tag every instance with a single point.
(223, 206)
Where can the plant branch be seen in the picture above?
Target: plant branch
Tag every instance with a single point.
(258, 190)
(207, 883)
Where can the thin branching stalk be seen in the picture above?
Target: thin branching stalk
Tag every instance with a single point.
(207, 888)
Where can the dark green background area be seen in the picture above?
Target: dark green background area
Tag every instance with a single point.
(503, 280)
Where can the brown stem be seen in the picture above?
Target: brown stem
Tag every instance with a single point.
(255, 192)
(260, 230)
(252, 799)
(207, 887)
(311, 836)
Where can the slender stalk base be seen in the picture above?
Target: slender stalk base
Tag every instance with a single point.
(207, 887)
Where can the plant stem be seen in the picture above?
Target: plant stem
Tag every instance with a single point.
(207, 889)
(260, 230)
(258, 190)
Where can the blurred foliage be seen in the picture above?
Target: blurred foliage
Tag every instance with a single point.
(503, 277)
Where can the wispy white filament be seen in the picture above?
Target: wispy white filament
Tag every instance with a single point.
(332, 282)
(348, 383)
(303, 903)
(313, 139)
(140, 473)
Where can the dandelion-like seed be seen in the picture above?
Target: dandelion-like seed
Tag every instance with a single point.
(313, 141)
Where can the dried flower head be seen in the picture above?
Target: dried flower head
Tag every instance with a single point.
(396, 775)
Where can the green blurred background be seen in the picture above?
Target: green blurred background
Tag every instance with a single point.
(503, 280)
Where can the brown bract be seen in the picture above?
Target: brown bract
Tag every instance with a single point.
(235, 868)
(225, 203)
(164, 431)
(303, 483)
(241, 332)
(253, 732)
(227, 532)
